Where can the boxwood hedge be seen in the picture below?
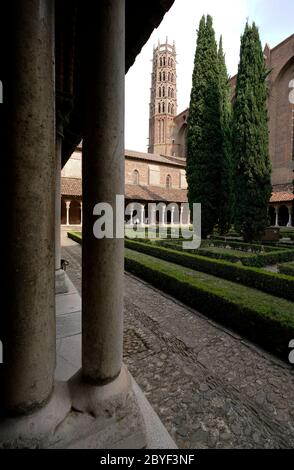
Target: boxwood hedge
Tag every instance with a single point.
(266, 281)
(262, 318)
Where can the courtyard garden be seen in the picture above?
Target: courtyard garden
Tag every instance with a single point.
(231, 283)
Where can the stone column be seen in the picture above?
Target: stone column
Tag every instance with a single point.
(81, 207)
(163, 215)
(142, 215)
(67, 203)
(181, 215)
(60, 283)
(28, 320)
(173, 216)
(132, 214)
(103, 179)
(189, 217)
(290, 210)
(277, 216)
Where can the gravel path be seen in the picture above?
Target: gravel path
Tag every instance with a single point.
(211, 388)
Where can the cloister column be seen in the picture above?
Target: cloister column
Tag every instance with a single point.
(142, 214)
(163, 215)
(290, 210)
(28, 320)
(103, 179)
(173, 216)
(181, 214)
(277, 216)
(132, 214)
(67, 204)
(60, 283)
(81, 207)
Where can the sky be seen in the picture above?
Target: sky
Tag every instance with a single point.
(275, 19)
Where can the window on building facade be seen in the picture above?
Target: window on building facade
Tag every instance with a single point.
(168, 182)
(136, 177)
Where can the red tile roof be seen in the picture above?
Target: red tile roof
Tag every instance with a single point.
(282, 196)
(155, 193)
(71, 186)
(151, 157)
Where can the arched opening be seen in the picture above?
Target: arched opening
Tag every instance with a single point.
(163, 76)
(272, 216)
(75, 212)
(159, 92)
(169, 77)
(159, 108)
(172, 93)
(160, 62)
(169, 108)
(168, 182)
(160, 76)
(63, 212)
(164, 62)
(283, 216)
(136, 177)
(163, 92)
(163, 107)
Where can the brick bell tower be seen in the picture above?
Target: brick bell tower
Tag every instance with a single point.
(163, 103)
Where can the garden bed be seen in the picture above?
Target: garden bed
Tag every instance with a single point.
(262, 318)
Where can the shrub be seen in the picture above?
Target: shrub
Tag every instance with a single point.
(262, 318)
(271, 283)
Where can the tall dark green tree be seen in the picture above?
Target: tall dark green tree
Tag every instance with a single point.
(250, 139)
(226, 167)
(204, 137)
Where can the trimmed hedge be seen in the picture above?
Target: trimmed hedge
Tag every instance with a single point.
(270, 257)
(287, 268)
(266, 281)
(262, 318)
(75, 236)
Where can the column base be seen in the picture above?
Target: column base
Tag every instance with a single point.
(61, 286)
(81, 416)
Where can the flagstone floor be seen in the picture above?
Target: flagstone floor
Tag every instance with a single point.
(210, 387)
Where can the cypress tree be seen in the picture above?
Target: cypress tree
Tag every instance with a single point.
(250, 139)
(204, 137)
(226, 168)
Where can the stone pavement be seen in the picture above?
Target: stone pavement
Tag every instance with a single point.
(210, 387)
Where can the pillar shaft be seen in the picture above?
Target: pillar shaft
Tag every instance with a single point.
(29, 317)
(58, 203)
(103, 179)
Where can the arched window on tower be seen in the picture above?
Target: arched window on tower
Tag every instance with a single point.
(168, 182)
(163, 91)
(171, 63)
(159, 92)
(169, 77)
(172, 77)
(163, 76)
(163, 61)
(172, 109)
(163, 107)
(136, 177)
(168, 62)
(160, 62)
(159, 108)
(168, 108)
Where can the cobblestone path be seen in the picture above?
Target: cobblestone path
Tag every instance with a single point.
(210, 387)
